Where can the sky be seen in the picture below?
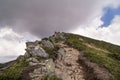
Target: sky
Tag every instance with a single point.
(30, 20)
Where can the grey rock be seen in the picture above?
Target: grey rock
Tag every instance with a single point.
(40, 70)
(59, 35)
(61, 53)
(47, 43)
(69, 72)
(50, 66)
(38, 73)
(26, 54)
(37, 51)
(30, 44)
(21, 57)
(34, 49)
(52, 39)
(33, 60)
(32, 63)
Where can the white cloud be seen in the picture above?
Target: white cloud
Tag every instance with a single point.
(110, 34)
(12, 44)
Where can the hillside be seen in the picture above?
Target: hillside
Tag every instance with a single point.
(65, 56)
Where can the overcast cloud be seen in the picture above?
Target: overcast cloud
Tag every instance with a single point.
(43, 17)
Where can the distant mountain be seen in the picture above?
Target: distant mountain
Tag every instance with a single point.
(65, 56)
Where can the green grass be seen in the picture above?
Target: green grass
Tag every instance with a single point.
(14, 72)
(108, 56)
(2, 65)
(51, 51)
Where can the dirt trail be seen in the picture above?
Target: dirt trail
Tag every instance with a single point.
(68, 68)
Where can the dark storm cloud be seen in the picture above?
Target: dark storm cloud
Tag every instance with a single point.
(43, 17)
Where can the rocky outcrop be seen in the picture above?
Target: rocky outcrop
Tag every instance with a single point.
(47, 43)
(58, 36)
(38, 73)
(45, 68)
(64, 67)
(35, 50)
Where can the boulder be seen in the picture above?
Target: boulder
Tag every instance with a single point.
(32, 63)
(32, 59)
(59, 35)
(61, 53)
(38, 73)
(30, 44)
(36, 51)
(50, 66)
(47, 43)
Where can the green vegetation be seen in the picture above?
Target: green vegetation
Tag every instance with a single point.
(100, 52)
(2, 65)
(51, 51)
(13, 72)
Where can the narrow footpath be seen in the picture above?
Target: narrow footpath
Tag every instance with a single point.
(68, 67)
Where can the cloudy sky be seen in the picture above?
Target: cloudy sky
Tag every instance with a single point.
(28, 20)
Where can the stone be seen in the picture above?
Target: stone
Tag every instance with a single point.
(32, 63)
(32, 59)
(52, 39)
(26, 54)
(67, 66)
(61, 53)
(38, 73)
(37, 51)
(50, 66)
(69, 72)
(30, 44)
(20, 58)
(47, 43)
(59, 35)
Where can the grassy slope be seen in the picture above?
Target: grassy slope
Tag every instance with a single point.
(14, 72)
(2, 65)
(102, 53)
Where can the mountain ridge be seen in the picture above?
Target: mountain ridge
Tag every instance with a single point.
(47, 58)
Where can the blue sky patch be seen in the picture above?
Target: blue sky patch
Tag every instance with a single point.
(108, 16)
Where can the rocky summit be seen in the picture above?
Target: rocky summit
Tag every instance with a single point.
(64, 56)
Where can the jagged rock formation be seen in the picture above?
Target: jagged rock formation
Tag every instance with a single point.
(65, 66)
(35, 50)
(53, 59)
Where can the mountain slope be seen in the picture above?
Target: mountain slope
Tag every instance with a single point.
(65, 56)
(105, 54)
